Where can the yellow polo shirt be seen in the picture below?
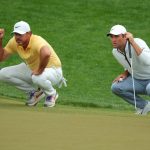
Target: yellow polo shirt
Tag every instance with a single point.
(31, 55)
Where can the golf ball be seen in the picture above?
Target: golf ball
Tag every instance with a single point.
(121, 79)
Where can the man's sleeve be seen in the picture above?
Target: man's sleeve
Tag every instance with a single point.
(11, 46)
(144, 57)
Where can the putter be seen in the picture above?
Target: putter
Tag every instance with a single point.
(133, 85)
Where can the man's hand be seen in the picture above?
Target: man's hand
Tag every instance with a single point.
(137, 48)
(2, 31)
(129, 36)
(35, 72)
(3, 54)
(121, 77)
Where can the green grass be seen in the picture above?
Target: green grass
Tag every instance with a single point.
(77, 31)
(70, 128)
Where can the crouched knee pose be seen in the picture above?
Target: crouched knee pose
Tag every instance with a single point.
(41, 70)
(134, 55)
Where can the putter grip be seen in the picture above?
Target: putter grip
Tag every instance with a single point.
(129, 47)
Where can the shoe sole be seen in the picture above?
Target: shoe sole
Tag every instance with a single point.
(56, 97)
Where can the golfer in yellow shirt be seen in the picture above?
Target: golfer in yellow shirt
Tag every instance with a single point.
(41, 70)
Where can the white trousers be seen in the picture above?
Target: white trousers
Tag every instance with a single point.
(21, 77)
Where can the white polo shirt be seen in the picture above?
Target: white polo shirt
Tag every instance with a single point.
(140, 64)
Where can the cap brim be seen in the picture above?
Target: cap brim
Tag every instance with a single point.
(114, 34)
(108, 34)
(18, 31)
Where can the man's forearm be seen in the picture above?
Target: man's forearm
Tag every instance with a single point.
(1, 50)
(136, 47)
(43, 65)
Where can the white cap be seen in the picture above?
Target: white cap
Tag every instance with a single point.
(117, 29)
(21, 27)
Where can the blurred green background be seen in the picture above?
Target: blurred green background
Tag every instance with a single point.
(77, 32)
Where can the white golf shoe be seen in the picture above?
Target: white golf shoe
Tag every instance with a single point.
(35, 97)
(50, 100)
(146, 109)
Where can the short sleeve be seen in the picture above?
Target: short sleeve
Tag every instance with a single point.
(11, 46)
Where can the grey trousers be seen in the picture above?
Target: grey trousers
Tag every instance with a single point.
(21, 77)
(124, 89)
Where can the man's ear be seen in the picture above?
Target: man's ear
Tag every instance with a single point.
(124, 35)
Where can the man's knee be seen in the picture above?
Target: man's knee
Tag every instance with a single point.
(4, 75)
(148, 89)
(35, 79)
(116, 88)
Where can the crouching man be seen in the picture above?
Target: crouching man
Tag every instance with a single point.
(41, 69)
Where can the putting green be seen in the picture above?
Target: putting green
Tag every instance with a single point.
(70, 128)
